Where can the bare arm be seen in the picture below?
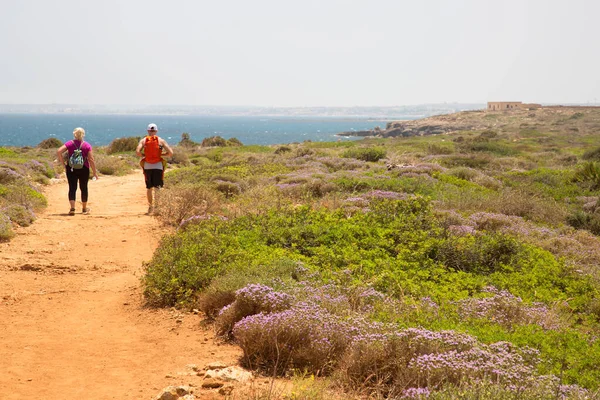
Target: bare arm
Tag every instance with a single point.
(60, 152)
(138, 150)
(92, 162)
(166, 147)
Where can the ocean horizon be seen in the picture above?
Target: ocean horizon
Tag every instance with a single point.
(30, 129)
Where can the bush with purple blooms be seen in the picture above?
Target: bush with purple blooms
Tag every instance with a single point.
(508, 310)
(250, 300)
(304, 337)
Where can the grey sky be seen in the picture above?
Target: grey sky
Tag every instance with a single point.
(298, 53)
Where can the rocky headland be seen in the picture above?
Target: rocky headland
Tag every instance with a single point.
(551, 118)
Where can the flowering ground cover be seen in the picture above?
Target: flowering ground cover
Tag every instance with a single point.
(451, 266)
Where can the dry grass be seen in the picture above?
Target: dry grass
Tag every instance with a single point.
(510, 201)
(114, 165)
(173, 205)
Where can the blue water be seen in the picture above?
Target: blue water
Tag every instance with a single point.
(31, 129)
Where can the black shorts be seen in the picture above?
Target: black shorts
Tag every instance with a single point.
(154, 178)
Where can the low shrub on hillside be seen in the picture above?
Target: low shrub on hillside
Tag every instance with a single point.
(472, 161)
(6, 231)
(592, 155)
(371, 154)
(22, 194)
(19, 214)
(229, 189)
(436, 148)
(179, 205)
(250, 300)
(186, 141)
(9, 175)
(39, 170)
(50, 143)
(585, 220)
(121, 145)
(180, 157)
(115, 165)
(304, 152)
(218, 141)
(283, 149)
(588, 174)
(508, 201)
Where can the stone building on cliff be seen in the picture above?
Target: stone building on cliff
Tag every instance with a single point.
(511, 105)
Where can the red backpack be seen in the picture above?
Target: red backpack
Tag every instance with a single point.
(152, 150)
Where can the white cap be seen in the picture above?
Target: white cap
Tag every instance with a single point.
(152, 127)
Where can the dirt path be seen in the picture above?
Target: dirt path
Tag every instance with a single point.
(72, 321)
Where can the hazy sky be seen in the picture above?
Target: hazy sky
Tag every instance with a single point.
(298, 53)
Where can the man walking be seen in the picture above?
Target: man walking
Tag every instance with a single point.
(154, 147)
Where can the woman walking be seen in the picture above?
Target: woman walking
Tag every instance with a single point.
(77, 173)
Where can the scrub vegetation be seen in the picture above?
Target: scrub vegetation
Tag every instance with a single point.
(463, 265)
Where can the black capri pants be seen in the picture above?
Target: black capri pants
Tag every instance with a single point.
(81, 177)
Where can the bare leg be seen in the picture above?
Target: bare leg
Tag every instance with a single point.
(149, 196)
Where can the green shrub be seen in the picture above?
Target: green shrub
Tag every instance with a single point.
(234, 142)
(23, 194)
(218, 141)
(8, 175)
(494, 147)
(50, 143)
(479, 254)
(283, 149)
(6, 152)
(577, 115)
(121, 145)
(229, 189)
(589, 174)
(19, 214)
(40, 170)
(304, 152)
(186, 141)
(114, 165)
(468, 174)
(584, 220)
(214, 141)
(216, 156)
(471, 161)
(488, 134)
(6, 231)
(365, 154)
(435, 148)
(592, 155)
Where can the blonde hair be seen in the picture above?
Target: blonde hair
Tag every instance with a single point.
(79, 133)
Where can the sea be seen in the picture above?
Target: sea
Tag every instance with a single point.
(30, 129)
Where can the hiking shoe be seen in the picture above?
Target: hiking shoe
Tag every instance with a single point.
(72, 211)
(85, 211)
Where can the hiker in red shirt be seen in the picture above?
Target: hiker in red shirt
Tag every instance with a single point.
(154, 148)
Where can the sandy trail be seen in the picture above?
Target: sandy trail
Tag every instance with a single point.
(72, 321)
